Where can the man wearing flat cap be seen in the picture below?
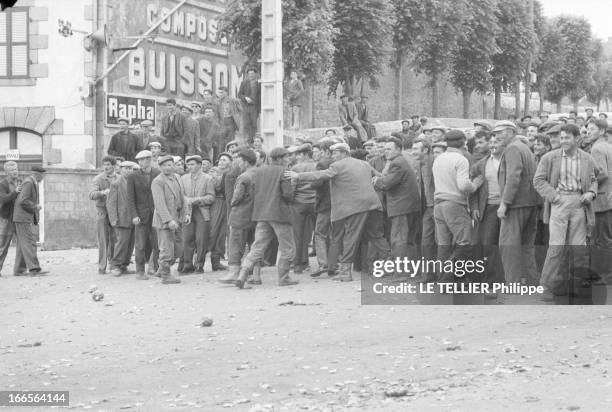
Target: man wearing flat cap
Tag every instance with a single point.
(196, 107)
(123, 143)
(452, 186)
(271, 211)
(100, 188)
(140, 204)
(168, 217)
(518, 205)
(173, 128)
(26, 215)
(354, 204)
(199, 193)
(148, 136)
(191, 137)
(121, 221)
(483, 125)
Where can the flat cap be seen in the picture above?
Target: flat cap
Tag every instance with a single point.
(439, 127)
(304, 148)
(546, 125)
(439, 144)
(248, 155)
(197, 158)
(503, 125)
(123, 119)
(151, 144)
(143, 154)
(146, 123)
(406, 121)
(340, 147)
(278, 152)
(226, 155)
(415, 116)
(487, 125)
(187, 108)
(232, 143)
(553, 130)
(38, 169)
(127, 163)
(454, 134)
(196, 104)
(369, 143)
(164, 159)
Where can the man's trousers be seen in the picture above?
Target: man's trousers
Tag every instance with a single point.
(239, 238)
(26, 247)
(170, 248)
(348, 231)
(123, 247)
(7, 230)
(486, 238)
(218, 228)
(106, 238)
(250, 114)
(264, 233)
(195, 239)
(516, 239)
(322, 237)
(302, 220)
(145, 246)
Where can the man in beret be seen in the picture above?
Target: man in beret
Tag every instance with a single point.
(26, 215)
(303, 208)
(242, 228)
(452, 187)
(123, 143)
(355, 207)
(100, 187)
(173, 128)
(168, 217)
(271, 211)
(191, 137)
(199, 193)
(518, 205)
(140, 205)
(121, 221)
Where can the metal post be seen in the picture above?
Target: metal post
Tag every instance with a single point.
(272, 73)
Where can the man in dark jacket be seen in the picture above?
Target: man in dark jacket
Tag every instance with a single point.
(140, 203)
(124, 143)
(26, 217)
(100, 186)
(240, 224)
(399, 183)
(363, 113)
(271, 211)
(173, 129)
(250, 96)
(518, 205)
(10, 187)
(326, 259)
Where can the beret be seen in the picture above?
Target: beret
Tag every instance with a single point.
(248, 155)
(143, 154)
(454, 134)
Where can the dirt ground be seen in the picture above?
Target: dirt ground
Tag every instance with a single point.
(142, 347)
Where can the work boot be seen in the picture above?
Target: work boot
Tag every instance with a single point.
(242, 276)
(216, 263)
(232, 276)
(142, 276)
(344, 274)
(283, 274)
(168, 277)
(256, 280)
(116, 272)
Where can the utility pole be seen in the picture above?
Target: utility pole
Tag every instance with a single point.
(529, 63)
(272, 73)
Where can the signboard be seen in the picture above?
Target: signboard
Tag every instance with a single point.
(135, 109)
(186, 57)
(12, 154)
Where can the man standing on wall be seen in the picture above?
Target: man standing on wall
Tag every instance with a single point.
(229, 117)
(26, 217)
(191, 139)
(100, 187)
(123, 143)
(10, 187)
(250, 95)
(173, 128)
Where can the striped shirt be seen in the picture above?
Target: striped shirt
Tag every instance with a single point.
(569, 176)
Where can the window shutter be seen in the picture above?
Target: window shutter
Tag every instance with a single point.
(19, 29)
(3, 61)
(2, 27)
(19, 61)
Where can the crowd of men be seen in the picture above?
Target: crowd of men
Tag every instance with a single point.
(533, 197)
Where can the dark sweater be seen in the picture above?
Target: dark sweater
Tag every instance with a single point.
(7, 199)
(273, 193)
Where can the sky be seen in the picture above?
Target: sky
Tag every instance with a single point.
(597, 12)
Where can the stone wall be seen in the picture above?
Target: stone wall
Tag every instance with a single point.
(70, 217)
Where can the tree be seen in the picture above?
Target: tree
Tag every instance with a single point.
(361, 43)
(578, 64)
(514, 41)
(471, 59)
(432, 48)
(410, 18)
(600, 86)
(307, 34)
(548, 62)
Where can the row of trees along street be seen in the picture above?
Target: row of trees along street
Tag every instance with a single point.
(480, 46)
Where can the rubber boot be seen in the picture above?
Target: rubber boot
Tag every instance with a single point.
(216, 263)
(256, 279)
(232, 276)
(283, 274)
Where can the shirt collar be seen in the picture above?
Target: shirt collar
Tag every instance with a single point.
(566, 155)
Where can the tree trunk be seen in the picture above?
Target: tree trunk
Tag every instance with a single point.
(559, 106)
(434, 96)
(467, 96)
(527, 89)
(598, 104)
(312, 106)
(497, 108)
(607, 105)
(541, 93)
(517, 98)
(575, 102)
(398, 87)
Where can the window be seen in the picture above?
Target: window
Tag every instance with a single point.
(14, 50)
(26, 143)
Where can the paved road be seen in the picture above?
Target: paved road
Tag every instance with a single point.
(141, 348)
